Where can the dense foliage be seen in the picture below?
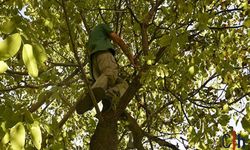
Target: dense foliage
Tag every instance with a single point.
(194, 71)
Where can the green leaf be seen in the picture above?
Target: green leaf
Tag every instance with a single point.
(191, 70)
(48, 23)
(224, 119)
(40, 54)
(28, 116)
(10, 46)
(17, 136)
(44, 96)
(2, 132)
(246, 124)
(30, 60)
(248, 110)
(8, 27)
(3, 67)
(173, 45)
(6, 138)
(247, 23)
(203, 20)
(225, 108)
(57, 146)
(183, 38)
(13, 120)
(228, 94)
(150, 62)
(164, 40)
(36, 134)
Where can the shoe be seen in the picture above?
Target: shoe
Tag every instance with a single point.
(109, 102)
(85, 104)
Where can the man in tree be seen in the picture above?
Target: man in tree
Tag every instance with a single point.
(108, 87)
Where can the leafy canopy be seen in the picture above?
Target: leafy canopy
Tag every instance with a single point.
(197, 78)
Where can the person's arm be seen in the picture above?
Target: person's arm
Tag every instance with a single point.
(125, 48)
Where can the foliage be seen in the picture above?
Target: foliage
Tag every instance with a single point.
(194, 58)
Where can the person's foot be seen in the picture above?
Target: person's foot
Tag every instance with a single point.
(85, 104)
(109, 102)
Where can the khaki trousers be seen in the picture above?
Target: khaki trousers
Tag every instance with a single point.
(105, 73)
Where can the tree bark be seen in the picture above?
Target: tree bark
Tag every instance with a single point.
(105, 136)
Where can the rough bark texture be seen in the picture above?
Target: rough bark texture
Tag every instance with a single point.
(105, 136)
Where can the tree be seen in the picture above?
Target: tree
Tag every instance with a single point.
(193, 78)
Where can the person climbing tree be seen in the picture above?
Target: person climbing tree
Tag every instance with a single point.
(108, 86)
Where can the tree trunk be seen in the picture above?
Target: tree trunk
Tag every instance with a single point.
(105, 136)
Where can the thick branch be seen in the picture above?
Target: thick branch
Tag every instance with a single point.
(138, 134)
(136, 131)
(129, 94)
(161, 142)
(157, 112)
(144, 35)
(136, 85)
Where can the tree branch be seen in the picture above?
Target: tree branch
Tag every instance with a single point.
(162, 142)
(64, 82)
(67, 79)
(66, 116)
(103, 19)
(64, 64)
(106, 9)
(129, 94)
(223, 28)
(16, 72)
(138, 134)
(41, 101)
(25, 86)
(144, 26)
(131, 11)
(229, 10)
(136, 131)
(85, 22)
(194, 92)
(154, 114)
(238, 99)
(135, 84)
(152, 12)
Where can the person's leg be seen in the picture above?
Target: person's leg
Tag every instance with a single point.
(85, 103)
(108, 70)
(114, 94)
(105, 72)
